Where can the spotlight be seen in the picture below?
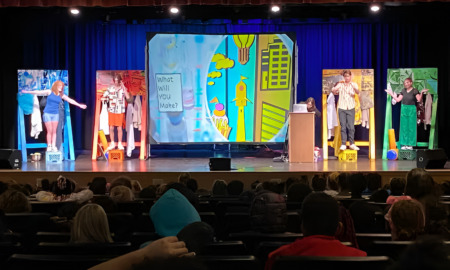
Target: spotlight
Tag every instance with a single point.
(74, 11)
(174, 10)
(275, 8)
(375, 8)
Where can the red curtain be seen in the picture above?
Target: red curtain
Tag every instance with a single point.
(116, 3)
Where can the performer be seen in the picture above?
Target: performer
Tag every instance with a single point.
(51, 110)
(311, 106)
(116, 95)
(346, 108)
(408, 116)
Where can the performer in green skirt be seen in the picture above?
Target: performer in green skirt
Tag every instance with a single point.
(408, 116)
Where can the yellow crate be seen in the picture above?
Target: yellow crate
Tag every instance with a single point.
(348, 155)
(115, 155)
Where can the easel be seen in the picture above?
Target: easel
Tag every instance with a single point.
(366, 86)
(69, 153)
(420, 83)
(98, 107)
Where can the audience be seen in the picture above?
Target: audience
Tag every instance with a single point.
(122, 180)
(90, 225)
(297, 192)
(98, 185)
(183, 178)
(318, 183)
(219, 188)
(268, 212)
(320, 222)
(235, 188)
(192, 185)
(121, 194)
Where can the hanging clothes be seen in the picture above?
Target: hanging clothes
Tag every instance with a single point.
(428, 110)
(331, 115)
(137, 113)
(366, 104)
(36, 119)
(104, 118)
(60, 127)
(129, 128)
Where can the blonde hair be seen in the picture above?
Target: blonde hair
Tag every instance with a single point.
(121, 194)
(55, 88)
(90, 225)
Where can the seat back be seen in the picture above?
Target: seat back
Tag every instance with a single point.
(55, 262)
(317, 262)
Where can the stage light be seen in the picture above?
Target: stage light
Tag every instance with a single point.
(375, 8)
(174, 10)
(275, 8)
(74, 11)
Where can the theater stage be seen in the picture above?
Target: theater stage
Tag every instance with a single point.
(247, 169)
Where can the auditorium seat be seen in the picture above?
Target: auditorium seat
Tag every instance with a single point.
(60, 237)
(144, 223)
(225, 248)
(134, 207)
(365, 240)
(247, 262)
(55, 262)
(209, 217)
(121, 225)
(317, 262)
(47, 207)
(253, 238)
(138, 238)
(29, 222)
(116, 248)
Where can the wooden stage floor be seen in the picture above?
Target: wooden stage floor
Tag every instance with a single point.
(248, 169)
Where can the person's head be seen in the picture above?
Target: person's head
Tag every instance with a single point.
(14, 201)
(320, 215)
(318, 183)
(397, 186)
(192, 184)
(121, 194)
(148, 192)
(122, 180)
(419, 184)
(406, 219)
(274, 185)
(196, 236)
(310, 104)
(219, 188)
(333, 181)
(347, 74)
(373, 181)
(90, 225)
(98, 185)
(235, 187)
(290, 181)
(184, 177)
(63, 186)
(343, 182)
(297, 192)
(357, 184)
(185, 191)
(58, 88)
(407, 83)
(45, 185)
(117, 78)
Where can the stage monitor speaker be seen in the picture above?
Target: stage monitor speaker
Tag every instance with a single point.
(220, 164)
(431, 159)
(10, 159)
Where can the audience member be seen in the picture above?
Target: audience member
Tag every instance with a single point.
(344, 186)
(268, 212)
(318, 183)
(165, 248)
(320, 221)
(192, 185)
(63, 189)
(289, 182)
(219, 188)
(332, 184)
(122, 180)
(235, 188)
(14, 201)
(406, 220)
(274, 185)
(397, 187)
(297, 192)
(172, 212)
(357, 184)
(379, 196)
(186, 192)
(373, 183)
(136, 187)
(197, 236)
(427, 252)
(98, 185)
(121, 194)
(184, 177)
(3, 187)
(148, 192)
(421, 187)
(90, 225)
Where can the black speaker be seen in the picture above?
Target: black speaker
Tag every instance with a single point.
(219, 164)
(10, 159)
(431, 159)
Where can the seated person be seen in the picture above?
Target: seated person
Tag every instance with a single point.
(320, 222)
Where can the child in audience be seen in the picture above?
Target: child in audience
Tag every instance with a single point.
(90, 225)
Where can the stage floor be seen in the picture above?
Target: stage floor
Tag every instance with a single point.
(165, 170)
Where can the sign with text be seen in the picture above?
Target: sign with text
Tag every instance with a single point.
(169, 92)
